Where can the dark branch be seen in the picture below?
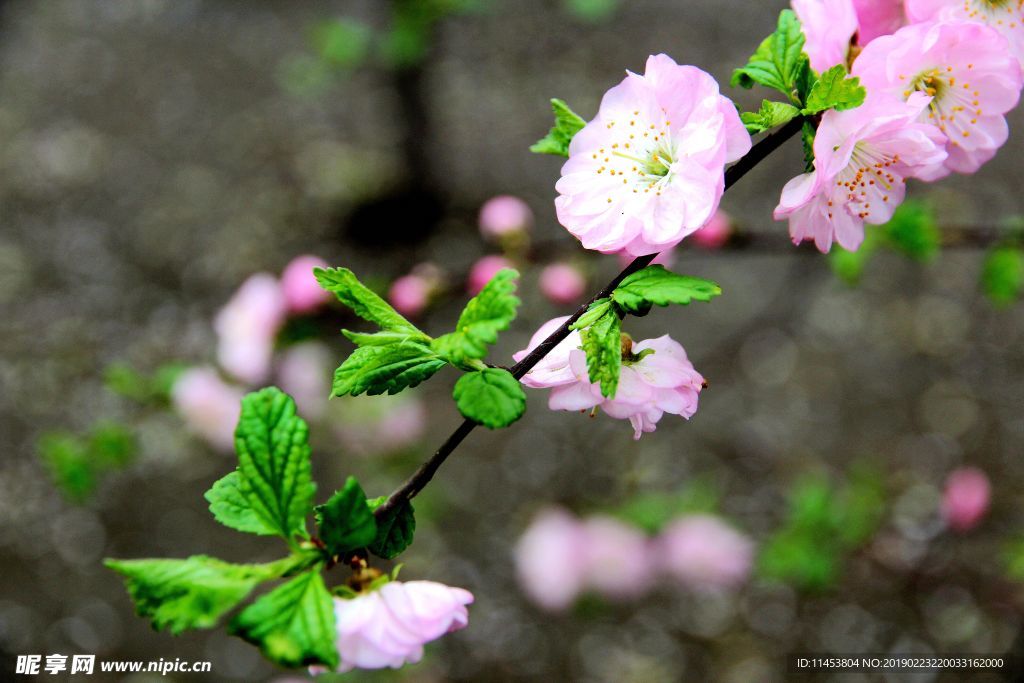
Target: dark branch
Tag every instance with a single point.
(414, 484)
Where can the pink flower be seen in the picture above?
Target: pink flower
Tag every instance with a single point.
(301, 290)
(877, 18)
(649, 169)
(966, 498)
(716, 233)
(970, 74)
(703, 552)
(862, 159)
(375, 425)
(504, 215)
(618, 560)
(562, 283)
(1006, 16)
(304, 373)
(388, 627)
(650, 384)
(829, 26)
(209, 406)
(483, 270)
(247, 328)
(665, 258)
(410, 294)
(551, 559)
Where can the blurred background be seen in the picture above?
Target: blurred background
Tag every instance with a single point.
(851, 483)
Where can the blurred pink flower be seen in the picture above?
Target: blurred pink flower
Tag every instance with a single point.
(388, 626)
(878, 18)
(649, 169)
(862, 158)
(1007, 16)
(650, 384)
(551, 559)
(375, 425)
(504, 215)
(703, 552)
(966, 499)
(618, 562)
(304, 372)
(968, 70)
(665, 258)
(483, 270)
(247, 328)
(716, 233)
(829, 26)
(562, 283)
(209, 406)
(301, 290)
(410, 294)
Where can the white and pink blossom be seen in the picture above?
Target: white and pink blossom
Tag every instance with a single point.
(863, 157)
(968, 72)
(562, 283)
(656, 378)
(829, 26)
(247, 328)
(966, 498)
(209, 405)
(649, 169)
(1005, 16)
(878, 18)
(702, 552)
(716, 233)
(302, 292)
(388, 626)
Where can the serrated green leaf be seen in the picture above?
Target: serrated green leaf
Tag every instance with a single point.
(913, 232)
(345, 521)
(363, 301)
(395, 529)
(486, 314)
(776, 63)
(293, 625)
(272, 443)
(654, 285)
(567, 124)
(1002, 275)
(231, 507)
(807, 133)
(190, 593)
(491, 397)
(602, 343)
(595, 312)
(391, 368)
(833, 90)
(771, 115)
(382, 338)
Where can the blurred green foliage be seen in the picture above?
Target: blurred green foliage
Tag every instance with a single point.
(153, 389)
(652, 511)
(823, 525)
(592, 10)
(76, 463)
(911, 232)
(1002, 274)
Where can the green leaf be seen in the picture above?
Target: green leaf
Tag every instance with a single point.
(230, 506)
(190, 593)
(345, 521)
(654, 285)
(777, 61)
(381, 338)
(567, 124)
(67, 460)
(1002, 275)
(342, 43)
(833, 90)
(363, 301)
(395, 529)
(491, 397)
(595, 312)
(293, 625)
(912, 231)
(807, 133)
(849, 265)
(602, 342)
(390, 368)
(486, 314)
(273, 464)
(771, 115)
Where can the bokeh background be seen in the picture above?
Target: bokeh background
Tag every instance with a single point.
(155, 153)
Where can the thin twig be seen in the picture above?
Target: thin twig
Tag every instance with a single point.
(414, 484)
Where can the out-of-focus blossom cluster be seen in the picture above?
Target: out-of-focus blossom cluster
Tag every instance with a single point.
(561, 557)
(966, 498)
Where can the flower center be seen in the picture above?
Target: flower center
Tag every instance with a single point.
(955, 104)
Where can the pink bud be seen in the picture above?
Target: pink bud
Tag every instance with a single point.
(247, 328)
(504, 215)
(483, 270)
(409, 295)
(702, 552)
(209, 406)
(665, 258)
(966, 499)
(562, 283)
(715, 233)
(301, 290)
